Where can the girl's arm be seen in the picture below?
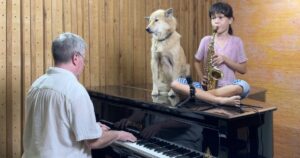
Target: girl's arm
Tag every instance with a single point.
(239, 67)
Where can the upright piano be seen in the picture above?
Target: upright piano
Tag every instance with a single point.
(168, 127)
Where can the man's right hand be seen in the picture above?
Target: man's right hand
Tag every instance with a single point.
(126, 136)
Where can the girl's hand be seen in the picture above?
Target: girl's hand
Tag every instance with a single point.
(218, 60)
(204, 81)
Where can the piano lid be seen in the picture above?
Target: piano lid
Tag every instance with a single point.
(141, 97)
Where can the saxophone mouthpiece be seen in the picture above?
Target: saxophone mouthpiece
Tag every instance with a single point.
(215, 29)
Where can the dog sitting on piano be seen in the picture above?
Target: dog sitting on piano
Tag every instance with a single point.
(168, 61)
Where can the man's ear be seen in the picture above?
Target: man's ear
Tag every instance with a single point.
(169, 12)
(75, 59)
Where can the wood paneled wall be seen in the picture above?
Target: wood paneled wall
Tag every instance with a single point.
(271, 35)
(118, 46)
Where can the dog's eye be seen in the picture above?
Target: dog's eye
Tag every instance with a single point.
(156, 20)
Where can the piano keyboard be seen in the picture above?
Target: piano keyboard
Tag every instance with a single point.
(157, 147)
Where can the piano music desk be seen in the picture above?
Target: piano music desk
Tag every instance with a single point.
(258, 93)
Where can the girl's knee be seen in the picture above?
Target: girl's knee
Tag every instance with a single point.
(238, 90)
(174, 84)
(245, 87)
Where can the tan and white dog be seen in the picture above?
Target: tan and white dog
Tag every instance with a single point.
(168, 61)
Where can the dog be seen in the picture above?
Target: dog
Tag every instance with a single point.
(168, 61)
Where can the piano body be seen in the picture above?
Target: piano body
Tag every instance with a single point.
(195, 129)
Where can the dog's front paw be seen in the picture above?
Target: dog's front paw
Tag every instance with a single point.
(155, 92)
(171, 93)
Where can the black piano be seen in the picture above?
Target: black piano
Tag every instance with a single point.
(167, 128)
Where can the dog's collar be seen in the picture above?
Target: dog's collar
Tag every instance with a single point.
(169, 35)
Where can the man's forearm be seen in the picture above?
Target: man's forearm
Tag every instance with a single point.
(107, 138)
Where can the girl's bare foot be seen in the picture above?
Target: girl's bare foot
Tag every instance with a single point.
(234, 100)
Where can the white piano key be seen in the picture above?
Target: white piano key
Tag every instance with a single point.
(141, 150)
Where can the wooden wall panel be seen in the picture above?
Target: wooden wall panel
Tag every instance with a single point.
(192, 33)
(94, 42)
(67, 19)
(38, 35)
(102, 45)
(112, 46)
(47, 32)
(8, 109)
(76, 13)
(139, 34)
(3, 77)
(118, 51)
(86, 37)
(183, 27)
(57, 17)
(164, 4)
(126, 73)
(175, 4)
(15, 113)
(26, 54)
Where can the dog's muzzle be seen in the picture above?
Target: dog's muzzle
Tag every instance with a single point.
(148, 30)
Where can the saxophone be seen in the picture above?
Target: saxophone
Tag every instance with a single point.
(212, 72)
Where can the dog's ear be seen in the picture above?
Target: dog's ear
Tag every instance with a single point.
(169, 12)
(147, 18)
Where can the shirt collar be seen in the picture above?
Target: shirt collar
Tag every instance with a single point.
(54, 70)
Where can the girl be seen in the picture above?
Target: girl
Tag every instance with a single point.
(229, 57)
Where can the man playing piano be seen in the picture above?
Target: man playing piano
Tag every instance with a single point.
(60, 119)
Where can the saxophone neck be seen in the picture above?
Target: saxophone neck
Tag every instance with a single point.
(215, 30)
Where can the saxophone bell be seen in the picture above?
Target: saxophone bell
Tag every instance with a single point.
(216, 73)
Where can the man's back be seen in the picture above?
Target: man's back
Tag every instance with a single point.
(58, 117)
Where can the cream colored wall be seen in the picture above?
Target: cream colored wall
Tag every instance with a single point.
(271, 34)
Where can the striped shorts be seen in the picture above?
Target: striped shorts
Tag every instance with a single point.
(242, 83)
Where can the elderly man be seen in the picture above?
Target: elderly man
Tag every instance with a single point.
(60, 120)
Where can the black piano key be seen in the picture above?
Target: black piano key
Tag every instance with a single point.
(191, 154)
(141, 141)
(165, 148)
(182, 156)
(172, 154)
(153, 140)
(182, 151)
(177, 152)
(162, 144)
(150, 146)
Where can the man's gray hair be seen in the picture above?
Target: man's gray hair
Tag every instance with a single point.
(66, 45)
